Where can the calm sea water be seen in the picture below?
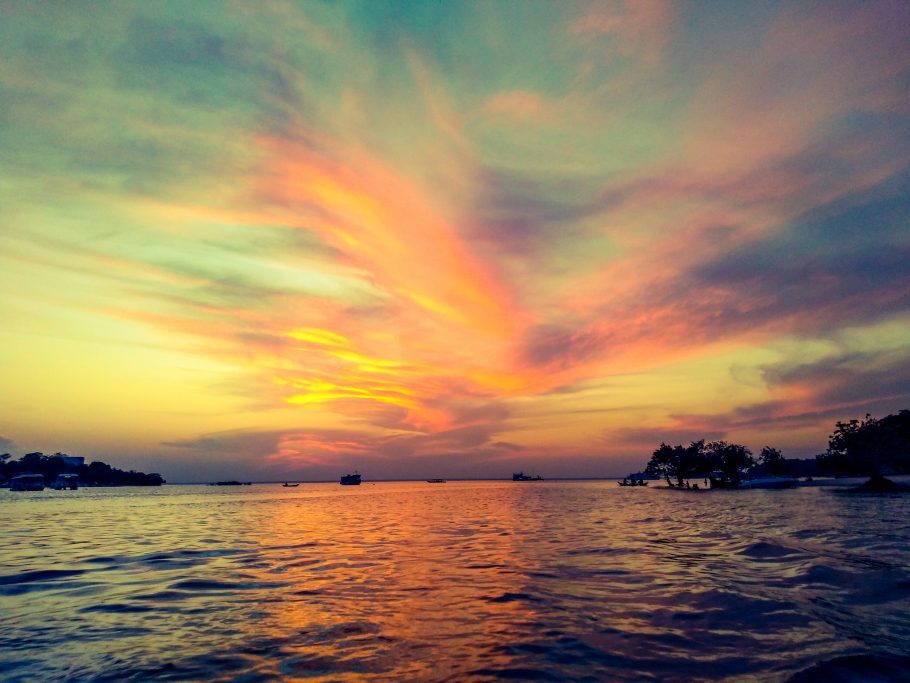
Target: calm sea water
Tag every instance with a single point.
(456, 581)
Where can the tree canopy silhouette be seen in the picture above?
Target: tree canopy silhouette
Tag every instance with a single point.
(676, 462)
(698, 459)
(869, 447)
(772, 460)
(97, 473)
(731, 459)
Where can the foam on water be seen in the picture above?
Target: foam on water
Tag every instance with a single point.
(471, 580)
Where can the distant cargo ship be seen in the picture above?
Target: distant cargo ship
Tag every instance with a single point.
(350, 479)
(521, 476)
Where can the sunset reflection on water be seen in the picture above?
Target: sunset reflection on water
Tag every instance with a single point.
(413, 565)
(481, 580)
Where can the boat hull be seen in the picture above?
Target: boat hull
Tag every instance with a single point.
(521, 476)
(30, 487)
(27, 482)
(768, 483)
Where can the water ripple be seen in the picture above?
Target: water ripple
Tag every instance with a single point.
(471, 581)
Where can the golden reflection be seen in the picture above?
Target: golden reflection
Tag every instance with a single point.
(444, 575)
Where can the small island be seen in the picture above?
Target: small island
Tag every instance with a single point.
(870, 447)
(52, 467)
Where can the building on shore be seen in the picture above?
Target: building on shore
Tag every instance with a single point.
(72, 460)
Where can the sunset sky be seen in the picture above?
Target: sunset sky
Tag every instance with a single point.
(285, 240)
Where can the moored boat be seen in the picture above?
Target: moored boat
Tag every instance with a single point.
(66, 481)
(770, 483)
(635, 479)
(721, 482)
(27, 482)
(350, 479)
(436, 481)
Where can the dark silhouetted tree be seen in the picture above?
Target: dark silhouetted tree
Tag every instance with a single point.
(97, 473)
(869, 447)
(731, 459)
(772, 460)
(678, 462)
(661, 462)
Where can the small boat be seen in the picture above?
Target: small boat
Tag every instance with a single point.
(66, 481)
(687, 487)
(230, 483)
(632, 482)
(770, 483)
(27, 482)
(290, 486)
(721, 482)
(521, 476)
(350, 479)
(436, 481)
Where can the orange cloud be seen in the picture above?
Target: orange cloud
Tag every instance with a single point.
(385, 224)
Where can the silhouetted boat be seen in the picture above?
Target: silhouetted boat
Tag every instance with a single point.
(290, 486)
(66, 481)
(436, 481)
(521, 476)
(686, 487)
(27, 482)
(721, 482)
(770, 483)
(350, 479)
(632, 482)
